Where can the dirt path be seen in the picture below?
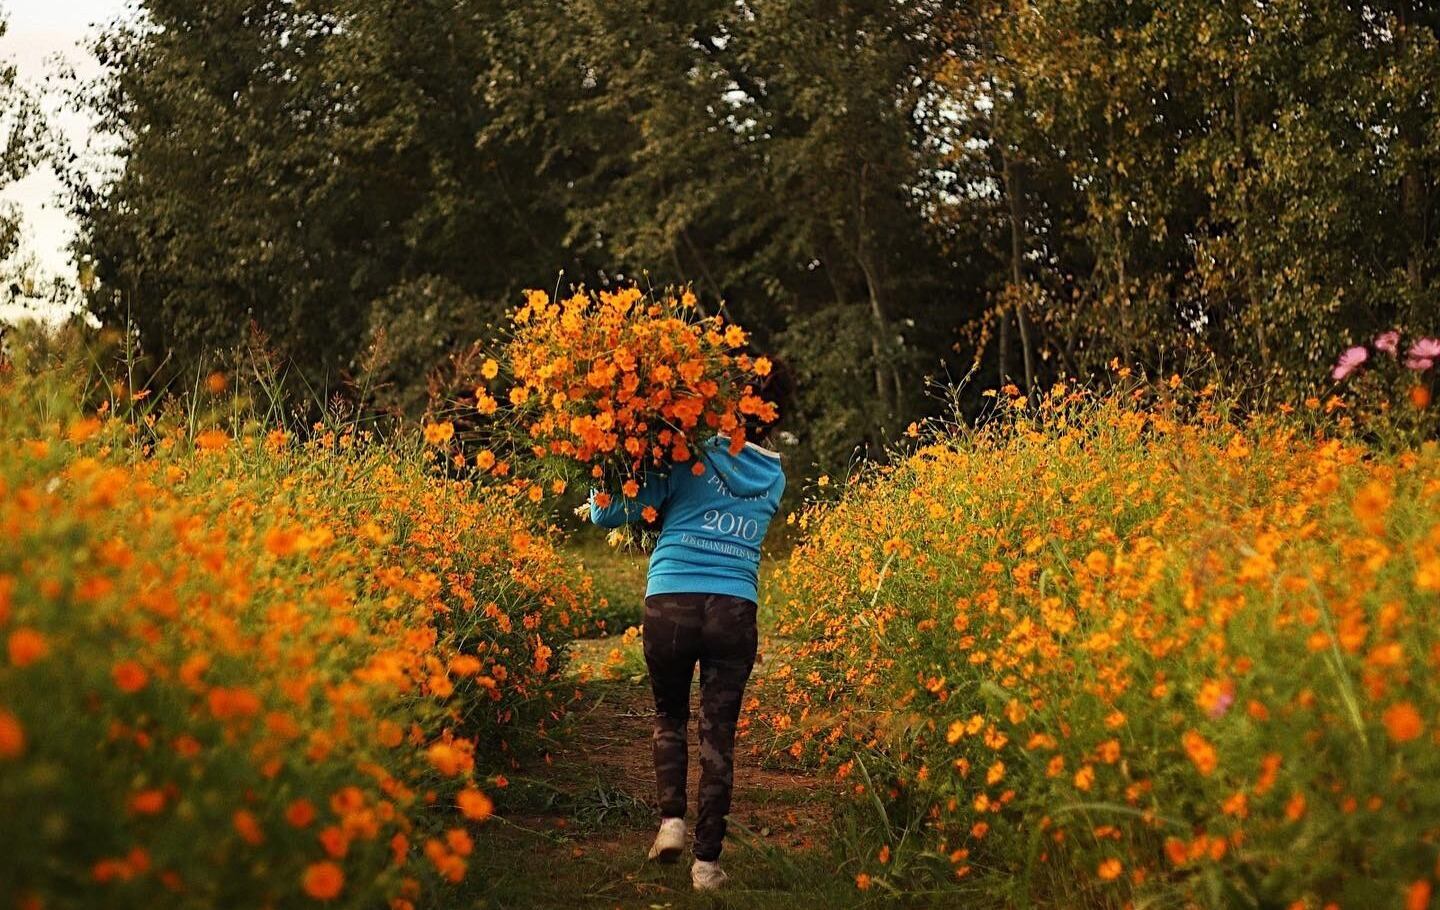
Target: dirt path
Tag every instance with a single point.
(576, 835)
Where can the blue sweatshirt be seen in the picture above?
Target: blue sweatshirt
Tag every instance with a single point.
(711, 524)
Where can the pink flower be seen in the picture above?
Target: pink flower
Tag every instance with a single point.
(1423, 354)
(1428, 348)
(1222, 704)
(1389, 342)
(1350, 361)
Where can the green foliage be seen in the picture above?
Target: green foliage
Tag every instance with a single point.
(890, 190)
(769, 151)
(414, 327)
(1246, 182)
(20, 134)
(304, 166)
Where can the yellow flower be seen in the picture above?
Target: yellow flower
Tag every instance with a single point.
(438, 434)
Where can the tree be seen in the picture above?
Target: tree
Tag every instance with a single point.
(1249, 182)
(21, 128)
(770, 151)
(298, 166)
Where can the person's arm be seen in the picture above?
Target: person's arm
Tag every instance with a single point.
(623, 510)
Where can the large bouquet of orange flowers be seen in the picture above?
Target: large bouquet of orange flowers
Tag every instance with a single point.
(613, 383)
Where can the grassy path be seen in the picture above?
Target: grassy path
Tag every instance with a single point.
(576, 836)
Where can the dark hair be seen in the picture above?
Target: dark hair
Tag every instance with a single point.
(778, 388)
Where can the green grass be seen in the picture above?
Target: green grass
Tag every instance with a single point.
(518, 875)
(619, 579)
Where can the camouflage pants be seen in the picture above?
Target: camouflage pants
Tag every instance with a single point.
(719, 632)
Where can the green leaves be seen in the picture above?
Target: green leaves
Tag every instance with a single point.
(889, 190)
(300, 166)
(1246, 183)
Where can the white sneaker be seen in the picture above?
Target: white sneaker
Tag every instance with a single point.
(707, 876)
(669, 842)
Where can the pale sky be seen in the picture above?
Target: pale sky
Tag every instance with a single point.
(41, 30)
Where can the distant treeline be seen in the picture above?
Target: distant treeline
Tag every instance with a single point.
(886, 192)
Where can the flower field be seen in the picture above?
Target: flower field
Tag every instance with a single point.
(245, 670)
(1113, 655)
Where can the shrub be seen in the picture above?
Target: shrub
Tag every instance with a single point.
(243, 669)
(1101, 654)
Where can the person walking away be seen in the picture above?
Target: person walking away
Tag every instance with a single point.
(700, 607)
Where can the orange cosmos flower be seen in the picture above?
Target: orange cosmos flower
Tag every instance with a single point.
(248, 827)
(323, 881)
(437, 434)
(1176, 851)
(1417, 896)
(26, 646)
(1200, 751)
(12, 735)
(82, 430)
(399, 848)
(1098, 562)
(148, 802)
(335, 841)
(459, 841)
(1371, 504)
(1110, 869)
(282, 541)
(465, 665)
(213, 440)
(129, 676)
(474, 804)
(448, 759)
(1295, 807)
(1403, 722)
(300, 813)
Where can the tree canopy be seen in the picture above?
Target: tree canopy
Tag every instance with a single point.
(884, 191)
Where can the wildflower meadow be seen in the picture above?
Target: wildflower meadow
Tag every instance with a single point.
(244, 668)
(719, 455)
(1127, 651)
